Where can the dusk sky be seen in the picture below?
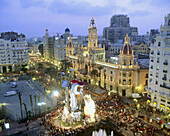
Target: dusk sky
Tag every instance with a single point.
(32, 17)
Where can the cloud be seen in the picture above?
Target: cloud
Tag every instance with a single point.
(140, 13)
(32, 17)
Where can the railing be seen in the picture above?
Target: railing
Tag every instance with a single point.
(165, 71)
(165, 63)
(164, 86)
(164, 78)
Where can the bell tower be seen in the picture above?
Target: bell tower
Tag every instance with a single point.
(92, 36)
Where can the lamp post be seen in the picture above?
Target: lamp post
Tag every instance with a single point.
(55, 94)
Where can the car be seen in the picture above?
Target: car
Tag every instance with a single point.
(14, 84)
(10, 93)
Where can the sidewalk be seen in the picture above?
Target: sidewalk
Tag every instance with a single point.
(15, 127)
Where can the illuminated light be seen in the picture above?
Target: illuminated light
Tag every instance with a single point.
(48, 91)
(41, 103)
(162, 105)
(7, 125)
(106, 64)
(73, 57)
(55, 93)
(154, 102)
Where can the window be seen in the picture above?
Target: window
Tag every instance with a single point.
(157, 74)
(124, 74)
(130, 74)
(124, 82)
(120, 81)
(156, 82)
(111, 72)
(158, 53)
(146, 82)
(111, 88)
(129, 81)
(146, 76)
(159, 43)
(162, 100)
(110, 78)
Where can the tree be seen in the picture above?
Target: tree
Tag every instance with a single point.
(31, 104)
(25, 109)
(45, 102)
(94, 73)
(23, 68)
(20, 100)
(35, 98)
(65, 64)
(51, 71)
(40, 66)
(39, 102)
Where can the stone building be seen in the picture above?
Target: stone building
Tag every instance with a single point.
(13, 51)
(159, 70)
(90, 65)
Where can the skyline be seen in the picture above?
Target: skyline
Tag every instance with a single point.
(34, 16)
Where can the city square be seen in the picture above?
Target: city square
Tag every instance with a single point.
(82, 83)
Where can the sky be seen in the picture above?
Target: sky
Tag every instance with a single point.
(32, 17)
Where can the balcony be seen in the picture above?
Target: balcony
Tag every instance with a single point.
(149, 90)
(165, 63)
(165, 71)
(164, 86)
(164, 94)
(164, 78)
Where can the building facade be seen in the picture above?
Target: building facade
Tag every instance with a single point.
(140, 48)
(159, 70)
(121, 78)
(13, 52)
(119, 27)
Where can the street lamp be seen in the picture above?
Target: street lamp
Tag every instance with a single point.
(56, 93)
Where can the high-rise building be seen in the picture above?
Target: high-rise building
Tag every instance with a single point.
(159, 70)
(119, 27)
(13, 51)
(119, 21)
(45, 44)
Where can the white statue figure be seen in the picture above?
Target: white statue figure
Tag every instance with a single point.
(90, 108)
(74, 92)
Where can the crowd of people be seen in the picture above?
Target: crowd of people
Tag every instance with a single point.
(126, 117)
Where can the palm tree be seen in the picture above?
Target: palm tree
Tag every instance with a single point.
(35, 98)
(39, 102)
(31, 104)
(45, 102)
(20, 100)
(25, 109)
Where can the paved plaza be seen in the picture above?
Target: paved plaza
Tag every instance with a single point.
(12, 104)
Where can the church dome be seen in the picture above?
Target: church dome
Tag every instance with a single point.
(67, 30)
(127, 49)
